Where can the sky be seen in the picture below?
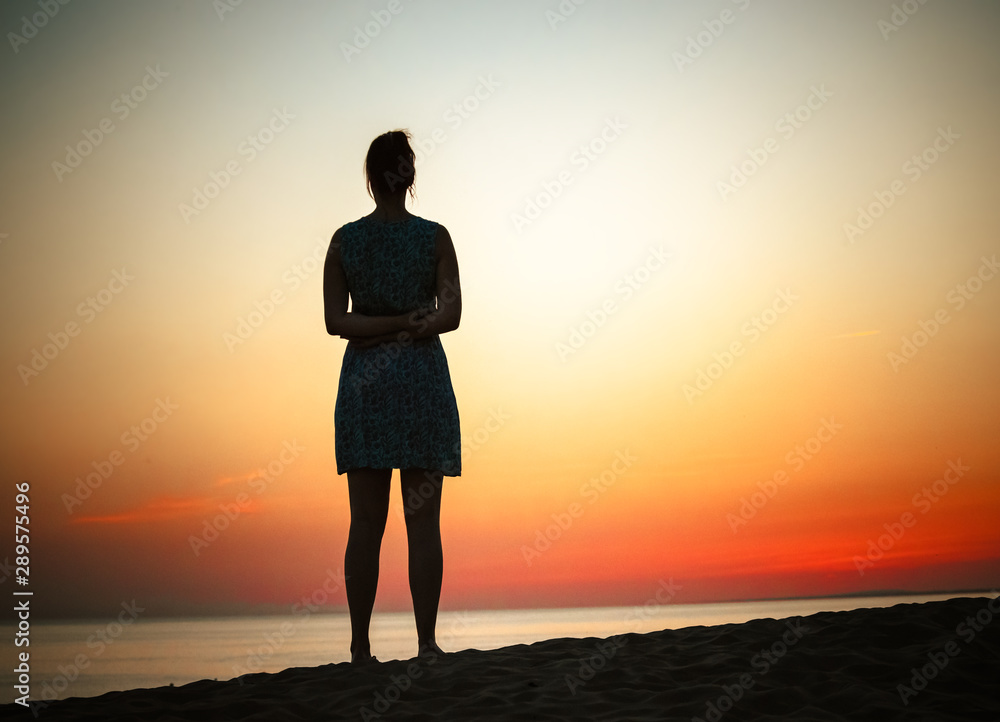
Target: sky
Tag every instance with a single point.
(730, 295)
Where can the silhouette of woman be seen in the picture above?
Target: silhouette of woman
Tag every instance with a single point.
(395, 404)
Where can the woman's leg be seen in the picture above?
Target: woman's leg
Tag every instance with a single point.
(422, 507)
(369, 494)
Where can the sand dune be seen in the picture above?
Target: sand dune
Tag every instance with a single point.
(935, 661)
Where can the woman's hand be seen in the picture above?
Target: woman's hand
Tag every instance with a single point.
(369, 341)
(413, 320)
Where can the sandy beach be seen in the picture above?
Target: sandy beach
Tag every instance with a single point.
(934, 661)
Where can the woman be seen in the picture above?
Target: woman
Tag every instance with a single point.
(395, 405)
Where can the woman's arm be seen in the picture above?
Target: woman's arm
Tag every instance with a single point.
(341, 322)
(448, 313)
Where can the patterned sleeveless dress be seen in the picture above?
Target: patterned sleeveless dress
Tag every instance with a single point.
(395, 407)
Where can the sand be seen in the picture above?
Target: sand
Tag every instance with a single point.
(935, 661)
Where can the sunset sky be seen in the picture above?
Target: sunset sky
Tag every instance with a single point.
(730, 277)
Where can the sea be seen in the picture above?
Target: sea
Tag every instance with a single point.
(90, 658)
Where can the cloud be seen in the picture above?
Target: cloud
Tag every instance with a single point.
(166, 508)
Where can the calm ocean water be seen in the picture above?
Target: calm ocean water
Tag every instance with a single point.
(86, 659)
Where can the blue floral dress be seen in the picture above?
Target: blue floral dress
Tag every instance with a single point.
(396, 407)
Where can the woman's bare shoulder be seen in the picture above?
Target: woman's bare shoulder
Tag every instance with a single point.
(442, 235)
(337, 240)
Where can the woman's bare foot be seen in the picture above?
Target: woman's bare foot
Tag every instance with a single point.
(429, 650)
(362, 656)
